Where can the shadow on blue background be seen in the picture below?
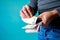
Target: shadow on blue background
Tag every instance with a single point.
(10, 21)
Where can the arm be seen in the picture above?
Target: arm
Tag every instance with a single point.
(33, 4)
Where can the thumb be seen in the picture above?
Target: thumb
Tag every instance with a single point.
(40, 16)
(44, 21)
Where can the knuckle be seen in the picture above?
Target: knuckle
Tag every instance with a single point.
(24, 9)
(20, 11)
(27, 7)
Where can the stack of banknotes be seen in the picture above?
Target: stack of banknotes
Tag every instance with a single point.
(32, 26)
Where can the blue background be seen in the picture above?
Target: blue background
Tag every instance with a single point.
(10, 21)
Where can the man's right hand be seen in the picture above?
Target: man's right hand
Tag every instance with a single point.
(26, 12)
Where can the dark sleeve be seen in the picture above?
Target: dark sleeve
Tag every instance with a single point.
(58, 9)
(33, 4)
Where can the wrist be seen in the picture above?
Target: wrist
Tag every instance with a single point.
(54, 13)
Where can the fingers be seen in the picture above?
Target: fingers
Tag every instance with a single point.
(40, 16)
(22, 14)
(29, 10)
(26, 12)
(44, 19)
(44, 23)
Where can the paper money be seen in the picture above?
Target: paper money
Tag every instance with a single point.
(31, 26)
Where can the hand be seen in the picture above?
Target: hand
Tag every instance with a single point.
(48, 16)
(26, 12)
